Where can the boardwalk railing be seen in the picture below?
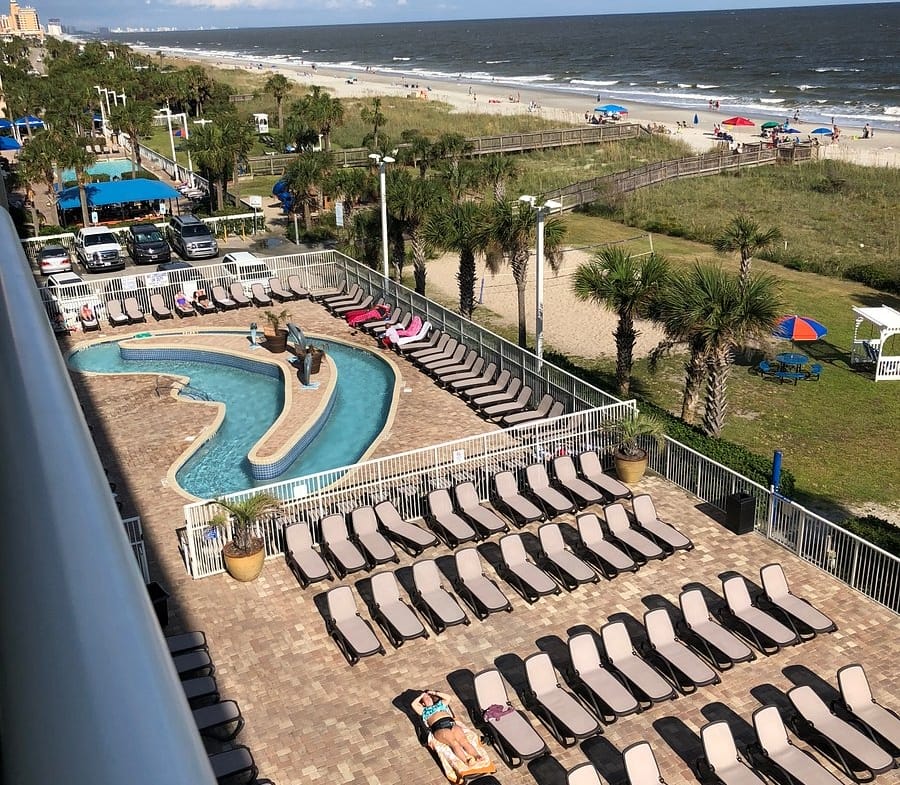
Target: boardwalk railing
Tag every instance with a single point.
(480, 145)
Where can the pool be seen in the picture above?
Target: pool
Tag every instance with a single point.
(115, 167)
(253, 397)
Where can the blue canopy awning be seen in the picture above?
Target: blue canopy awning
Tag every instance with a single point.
(8, 143)
(117, 192)
(34, 122)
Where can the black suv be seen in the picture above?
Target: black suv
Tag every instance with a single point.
(146, 244)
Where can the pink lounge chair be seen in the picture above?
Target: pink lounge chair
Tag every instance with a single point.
(355, 318)
(392, 335)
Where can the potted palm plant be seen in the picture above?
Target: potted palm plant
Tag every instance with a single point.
(245, 553)
(276, 334)
(629, 456)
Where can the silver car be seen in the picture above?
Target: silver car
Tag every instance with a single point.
(54, 259)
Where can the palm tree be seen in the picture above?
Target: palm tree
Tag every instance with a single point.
(245, 514)
(418, 150)
(410, 200)
(456, 227)
(72, 153)
(197, 87)
(509, 235)
(134, 119)
(627, 285)
(304, 179)
(712, 312)
(37, 164)
(453, 146)
(498, 171)
(279, 86)
(322, 112)
(212, 155)
(349, 186)
(373, 116)
(745, 236)
(239, 134)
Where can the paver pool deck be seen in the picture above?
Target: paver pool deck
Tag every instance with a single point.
(311, 718)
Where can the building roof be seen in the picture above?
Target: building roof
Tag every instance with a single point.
(883, 316)
(117, 192)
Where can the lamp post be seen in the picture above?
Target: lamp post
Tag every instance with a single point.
(167, 113)
(541, 212)
(103, 127)
(382, 161)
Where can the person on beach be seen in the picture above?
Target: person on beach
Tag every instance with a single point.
(867, 131)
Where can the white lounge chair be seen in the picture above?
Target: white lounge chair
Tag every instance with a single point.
(683, 666)
(765, 632)
(518, 570)
(394, 616)
(603, 554)
(432, 600)
(558, 558)
(606, 694)
(781, 753)
(560, 711)
(480, 593)
(722, 647)
(721, 760)
(643, 681)
(352, 634)
(306, 564)
(803, 618)
(882, 724)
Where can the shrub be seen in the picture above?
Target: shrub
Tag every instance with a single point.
(874, 276)
(877, 531)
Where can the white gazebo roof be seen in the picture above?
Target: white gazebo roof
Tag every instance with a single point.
(883, 317)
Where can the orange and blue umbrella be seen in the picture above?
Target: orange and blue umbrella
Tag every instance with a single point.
(799, 328)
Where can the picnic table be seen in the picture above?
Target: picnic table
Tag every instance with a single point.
(792, 361)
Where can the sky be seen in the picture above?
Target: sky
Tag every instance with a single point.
(193, 14)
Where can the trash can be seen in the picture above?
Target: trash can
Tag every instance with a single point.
(740, 513)
(160, 599)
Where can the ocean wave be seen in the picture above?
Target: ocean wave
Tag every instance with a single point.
(771, 100)
(707, 86)
(893, 111)
(837, 70)
(805, 87)
(496, 62)
(595, 82)
(401, 59)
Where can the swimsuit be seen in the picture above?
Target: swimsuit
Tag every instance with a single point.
(444, 723)
(434, 708)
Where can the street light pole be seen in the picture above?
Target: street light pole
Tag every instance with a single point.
(541, 212)
(103, 124)
(382, 161)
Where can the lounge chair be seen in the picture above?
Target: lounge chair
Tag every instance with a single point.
(780, 753)
(200, 691)
(520, 572)
(510, 733)
(538, 486)
(419, 336)
(193, 663)
(398, 319)
(229, 765)
(259, 296)
(583, 774)
(450, 527)
(222, 721)
(594, 546)
(803, 618)
(352, 634)
(721, 761)
(434, 347)
(504, 394)
(664, 534)
(645, 683)
(579, 491)
(133, 310)
(394, 616)
(447, 378)
(183, 307)
(453, 352)
(277, 290)
(480, 593)
(850, 749)
(496, 385)
(362, 302)
(481, 517)
(88, 322)
(236, 292)
(296, 288)
(221, 299)
(641, 767)
(541, 412)
(723, 649)
(559, 559)
(373, 542)
(683, 666)
(882, 724)
(159, 309)
(606, 694)
(425, 344)
(592, 471)
(765, 632)
(560, 711)
(503, 408)
(413, 539)
(306, 564)
(342, 554)
(432, 600)
(340, 296)
(202, 303)
(463, 366)
(510, 501)
(474, 379)
(186, 641)
(638, 546)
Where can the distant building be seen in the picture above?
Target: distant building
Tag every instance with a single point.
(22, 20)
(54, 27)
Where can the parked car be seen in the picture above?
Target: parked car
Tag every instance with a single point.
(192, 238)
(146, 244)
(69, 292)
(175, 264)
(247, 268)
(98, 250)
(54, 259)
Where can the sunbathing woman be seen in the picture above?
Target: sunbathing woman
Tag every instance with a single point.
(434, 709)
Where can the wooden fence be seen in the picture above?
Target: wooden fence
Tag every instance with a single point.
(272, 164)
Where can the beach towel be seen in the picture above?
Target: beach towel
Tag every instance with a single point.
(363, 315)
(392, 334)
(456, 770)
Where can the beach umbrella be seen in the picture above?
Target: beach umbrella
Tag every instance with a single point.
(696, 119)
(738, 121)
(8, 143)
(770, 124)
(790, 130)
(611, 109)
(799, 328)
(822, 131)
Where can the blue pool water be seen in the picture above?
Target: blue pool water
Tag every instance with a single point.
(115, 167)
(252, 403)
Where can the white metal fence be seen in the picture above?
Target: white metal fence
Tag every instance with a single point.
(135, 533)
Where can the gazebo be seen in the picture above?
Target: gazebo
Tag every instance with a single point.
(873, 332)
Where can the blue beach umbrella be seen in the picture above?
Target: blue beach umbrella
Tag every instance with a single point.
(822, 131)
(611, 109)
(8, 143)
(789, 131)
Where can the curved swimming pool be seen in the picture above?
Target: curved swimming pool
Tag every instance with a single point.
(253, 399)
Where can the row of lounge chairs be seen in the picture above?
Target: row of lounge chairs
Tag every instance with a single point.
(216, 719)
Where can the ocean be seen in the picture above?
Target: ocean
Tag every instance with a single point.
(840, 62)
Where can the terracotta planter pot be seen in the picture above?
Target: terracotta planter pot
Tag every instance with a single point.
(244, 567)
(630, 470)
(276, 341)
